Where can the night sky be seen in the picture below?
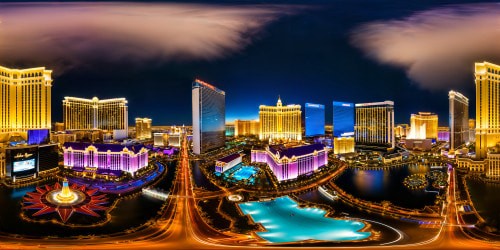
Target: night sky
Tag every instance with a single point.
(304, 51)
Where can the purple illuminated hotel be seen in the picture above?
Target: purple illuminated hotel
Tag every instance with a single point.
(289, 163)
(104, 159)
(228, 162)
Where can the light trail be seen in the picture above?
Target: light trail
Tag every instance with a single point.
(181, 227)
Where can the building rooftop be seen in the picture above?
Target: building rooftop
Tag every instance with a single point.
(229, 158)
(371, 104)
(199, 83)
(296, 151)
(103, 147)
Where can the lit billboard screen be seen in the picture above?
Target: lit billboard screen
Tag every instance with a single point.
(21, 166)
(21, 161)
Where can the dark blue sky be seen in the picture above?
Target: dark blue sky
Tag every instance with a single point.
(304, 57)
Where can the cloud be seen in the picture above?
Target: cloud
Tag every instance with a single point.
(70, 35)
(436, 48)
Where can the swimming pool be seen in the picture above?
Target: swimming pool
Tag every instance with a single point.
(240, 172)
(286, 222)
(244, 172)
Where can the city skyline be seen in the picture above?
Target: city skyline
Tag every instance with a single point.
(370, 124)
(246, 65)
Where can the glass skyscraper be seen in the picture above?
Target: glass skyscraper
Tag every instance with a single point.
(343, 119)
(315, 119)
(459, 119)
(209, 117)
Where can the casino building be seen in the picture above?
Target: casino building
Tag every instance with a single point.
(289, 163)
(246, 127)
(374, 125)
(104, 159)
(315, 119)
(92, 114)
(459, 119)
(487, 79)
(424, 125)
(143, 128)
(280, 122)
(487, 131)
(209, 117)
(25, 99)
(343, 119)
(228, 162)
(28, 161)
(343, 145)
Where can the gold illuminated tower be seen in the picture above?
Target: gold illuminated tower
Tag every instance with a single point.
(472, 130)
(282, 123)
(374, 124)
(84, 114)
(424, 125)
(25, 99)
(343, 145)
(487, 77)
(246, 127)
(143, 128)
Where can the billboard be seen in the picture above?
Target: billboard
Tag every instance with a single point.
(21, 161)
(21, 166)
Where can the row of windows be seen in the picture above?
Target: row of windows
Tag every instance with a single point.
(25, 75)
(494, 71)
(6, 81)
(34, 108)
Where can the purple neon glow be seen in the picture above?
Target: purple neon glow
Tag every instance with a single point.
(443, 135)
(125, 160)
(286, 168)
(228, 162)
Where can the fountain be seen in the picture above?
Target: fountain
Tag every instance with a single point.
(65, 195)
(65, 200)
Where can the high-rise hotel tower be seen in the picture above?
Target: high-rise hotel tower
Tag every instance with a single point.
(459, 119)
(209, 117)
(424, 125)
(281, 123)
(246, 127)
(315, 119)
(84, 114)
(487, 77)
(343, 119)
(374, 124)
(143, 128)
(25, 99)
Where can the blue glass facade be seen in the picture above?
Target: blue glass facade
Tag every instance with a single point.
(315, 119)
(209, 117)
(343, 119)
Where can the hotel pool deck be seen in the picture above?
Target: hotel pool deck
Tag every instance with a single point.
(244, 172)
(286, 222)
(241, 172)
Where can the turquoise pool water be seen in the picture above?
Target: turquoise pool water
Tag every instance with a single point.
(286, 222)
(240, 172)
(244, 172)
